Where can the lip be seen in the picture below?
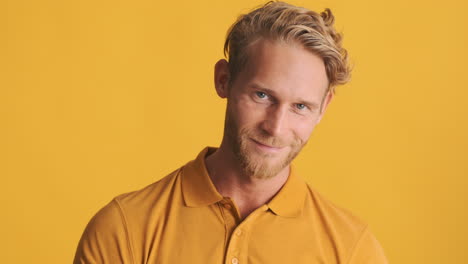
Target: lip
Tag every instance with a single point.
(266, 147)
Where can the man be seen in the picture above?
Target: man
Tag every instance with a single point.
(242, 202)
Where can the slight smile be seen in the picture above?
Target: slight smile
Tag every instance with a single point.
(266, 147)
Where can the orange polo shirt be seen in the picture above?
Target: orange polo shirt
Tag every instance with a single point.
(183, 219)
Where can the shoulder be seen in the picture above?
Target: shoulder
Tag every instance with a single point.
(116, 210)
(367, 250)
(349, 233)
(109, 235)
(152, 193)
(333, 214)
(105, 235)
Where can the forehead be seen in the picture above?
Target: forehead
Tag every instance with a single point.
(286, 68)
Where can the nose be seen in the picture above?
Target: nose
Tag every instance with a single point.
(275, 120)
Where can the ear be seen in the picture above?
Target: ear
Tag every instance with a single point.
(326, 100)
(221, 78)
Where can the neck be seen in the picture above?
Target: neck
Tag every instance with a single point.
(246, 191)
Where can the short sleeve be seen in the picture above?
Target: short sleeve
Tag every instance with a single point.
(368, 250)
(105, 239)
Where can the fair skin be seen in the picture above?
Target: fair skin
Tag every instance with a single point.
(274, 104)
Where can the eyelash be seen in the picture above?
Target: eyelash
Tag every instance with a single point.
(258, 95)
(304, 106)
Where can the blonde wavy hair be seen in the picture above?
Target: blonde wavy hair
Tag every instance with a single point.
(281, 21)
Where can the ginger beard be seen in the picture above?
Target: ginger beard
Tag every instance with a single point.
(253, 163)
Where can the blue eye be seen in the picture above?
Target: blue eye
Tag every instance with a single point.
(301, 106)
(261, 95)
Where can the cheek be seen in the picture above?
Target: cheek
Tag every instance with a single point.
(247, 114)
(304, 130)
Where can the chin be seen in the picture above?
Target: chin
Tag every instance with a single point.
(263, 166)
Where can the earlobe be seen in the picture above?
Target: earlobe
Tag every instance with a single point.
(221, 78)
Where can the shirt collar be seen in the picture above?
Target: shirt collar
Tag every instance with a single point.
(289, 201)
(198, 189)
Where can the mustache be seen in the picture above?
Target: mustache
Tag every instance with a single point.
(269, 141)
(272, 141)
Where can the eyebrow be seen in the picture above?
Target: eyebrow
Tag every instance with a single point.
(312, 105)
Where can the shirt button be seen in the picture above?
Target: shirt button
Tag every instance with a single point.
(234, 261)
(239, 232)
(227, 206)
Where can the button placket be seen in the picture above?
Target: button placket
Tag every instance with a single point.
(236, 242)
(240, 236)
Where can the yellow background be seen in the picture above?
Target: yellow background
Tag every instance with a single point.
(98, 98)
